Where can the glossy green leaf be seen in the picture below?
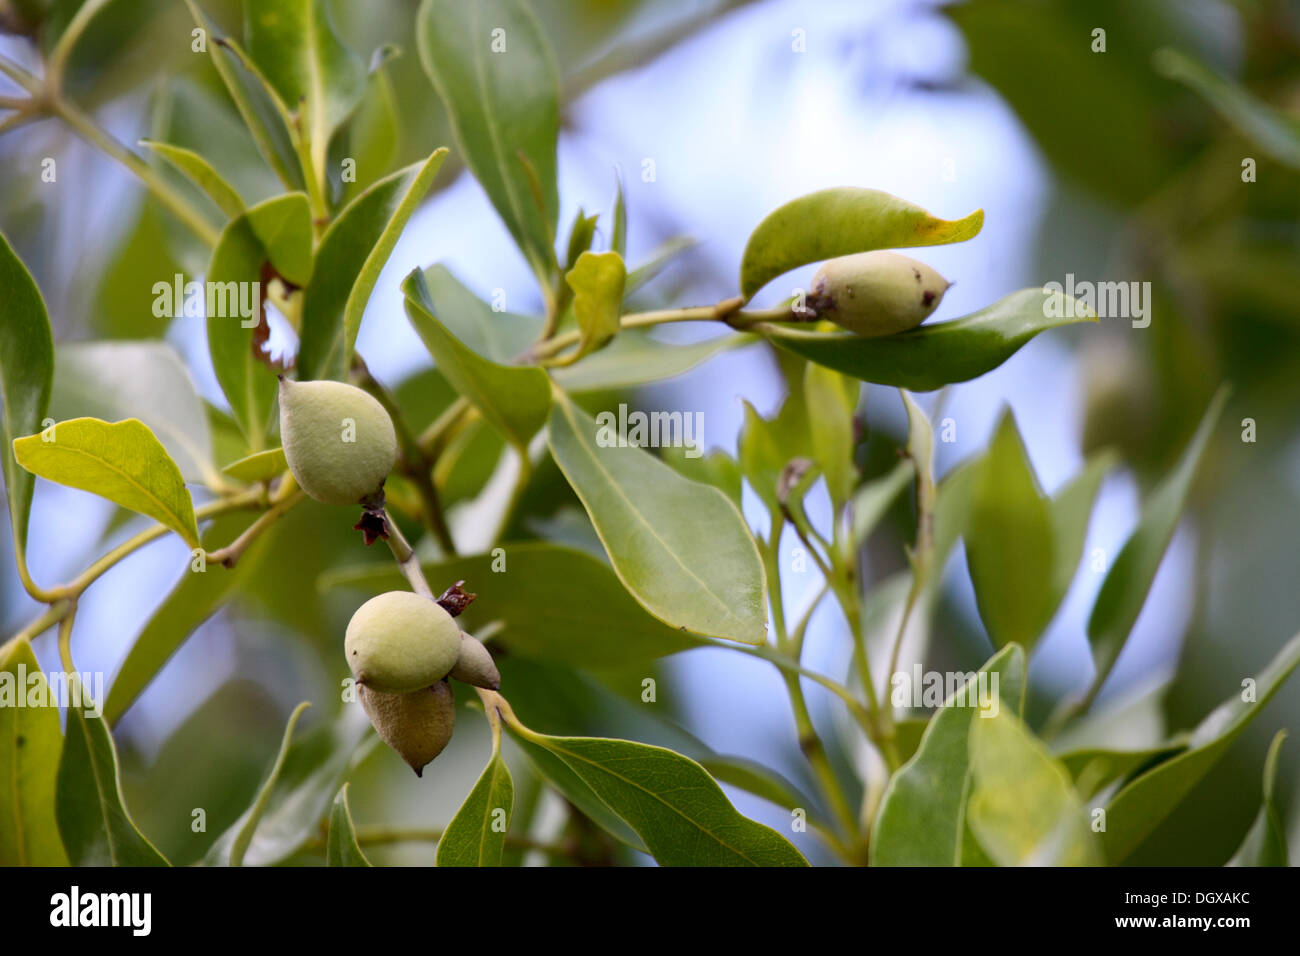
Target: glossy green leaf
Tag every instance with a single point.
(296, 48)
(840, 222)
(30, 745)
(1266, 843)
(277, 231)
(833, 399)
(600, 627)
(259, 466)
(1124, 591)
(194, 598)
(931, 356)
(341, 847)
(200, 172)
(296, 795)
(682, 549)
(1145, 801)
(1071, 511)
(672, 803)
(26, 373)
(476, 835)
(1022, 806)
(1273, 131)
(514, 398)
(922, 815)
(96, 826)
(264, 113)
(122, 462)
(1009, 542)
(144, 380)
(497, 78)
(597, 283)
(348, 262)
(637, 358)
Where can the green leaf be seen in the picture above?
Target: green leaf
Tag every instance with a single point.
(264, 113)
(371, 134)
(618, 234)
(872, 501)
(277, 231)
(831, 429)
(497, 78)
(296, 795)
(658, 260)
(144, 380)
(194, 598)
(922, 815)
(30, 746)
(200, 172)
(672, 803)
(597, 283)
(477, 833)
(931, 356)
(26, 373)
(260, 466)
(348, 262)
(1022, 806)
(515, 399)
(1145, 801)
(1124, 591)
(96, 826)
(499, 336)
(581, 235)
(247, 824)
(1096, 768)
(1071, 511)
(839, 222)
(1009, 542)
(603, 628)
(1269, 129)
(637, 358)
(341, 847)
(759, 780)
(767, 446)
(1265, 843)
(682, 549)
(297, 50)
(122, 462)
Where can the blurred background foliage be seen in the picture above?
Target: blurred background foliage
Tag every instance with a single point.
(1110, 168)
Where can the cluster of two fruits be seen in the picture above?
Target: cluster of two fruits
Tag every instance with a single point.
(401, 647)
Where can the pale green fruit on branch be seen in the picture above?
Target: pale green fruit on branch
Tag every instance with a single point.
(400, 642)
(417, 725)
(475, 665)
(338, 440)
(876, 293)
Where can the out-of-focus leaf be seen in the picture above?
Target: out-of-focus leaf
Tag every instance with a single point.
(717, 468)
(1093, 769)
(1022, 806)
(767, 446)
(922, 815)
(840, 222)
(1274, 132)
(96, 827)
(515, 399)
(369, 138)
(476, 835)
(296, 795)
(556, 603)
(618, 232)
(497, 335)
(637, 358)
(873, 499)
(260, 466)
(277, 231)
(243, 831)
(1124, 591)
(1071, 510)
(1009, 542)
(682, 549)
(1265, 843)
(294, 45)
(597, 283)
(200, 172)
(835, 399)
(122, 462)
(144, 380)
(659, 259)
(341, 847)
(1145, 801)
(931, 356)
(348, 261)
(496, 76)
(30, 746)
(26, 373)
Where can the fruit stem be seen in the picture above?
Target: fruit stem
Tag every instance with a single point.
(406, 558)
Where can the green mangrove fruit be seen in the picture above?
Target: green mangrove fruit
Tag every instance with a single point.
(417, 725)
(400, 642)
(338, 440)
(876, 293)
(475, 665)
